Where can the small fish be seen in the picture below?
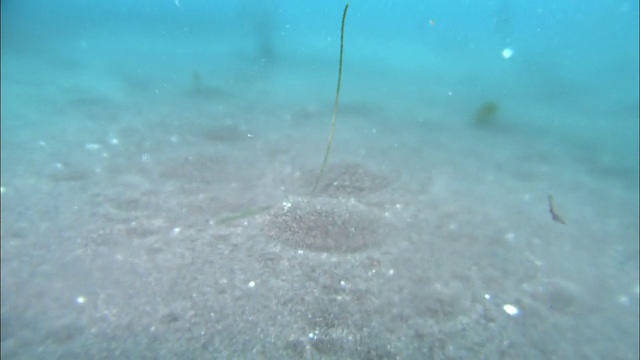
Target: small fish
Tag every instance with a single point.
(554, 215)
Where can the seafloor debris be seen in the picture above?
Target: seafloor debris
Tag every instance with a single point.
(554, 215)
(486, 113)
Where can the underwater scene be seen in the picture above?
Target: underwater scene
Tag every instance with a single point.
(280, 179)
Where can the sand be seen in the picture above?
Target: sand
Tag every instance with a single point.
(181, 224)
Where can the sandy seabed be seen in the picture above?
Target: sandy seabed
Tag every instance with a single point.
(190, 229)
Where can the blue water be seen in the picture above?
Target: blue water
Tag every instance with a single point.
(112, 112)
(573, 68)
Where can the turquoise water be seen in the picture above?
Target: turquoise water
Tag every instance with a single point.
(573, 68)
(134, 132)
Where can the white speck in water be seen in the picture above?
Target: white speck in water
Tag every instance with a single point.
(391, 271)
(176, 231)
(538, 263)
(114, 141)
(509, 236)
(80, 299)
(487, 296)
(511, 310)
(507, 53)
(174, 139)
(251, 284)
(92, 147)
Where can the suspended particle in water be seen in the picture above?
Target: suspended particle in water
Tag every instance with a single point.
(511, 310)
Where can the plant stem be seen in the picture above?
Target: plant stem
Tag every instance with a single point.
(335, 104)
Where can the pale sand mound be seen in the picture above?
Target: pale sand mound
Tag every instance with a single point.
(325, 225)
(350, 179)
